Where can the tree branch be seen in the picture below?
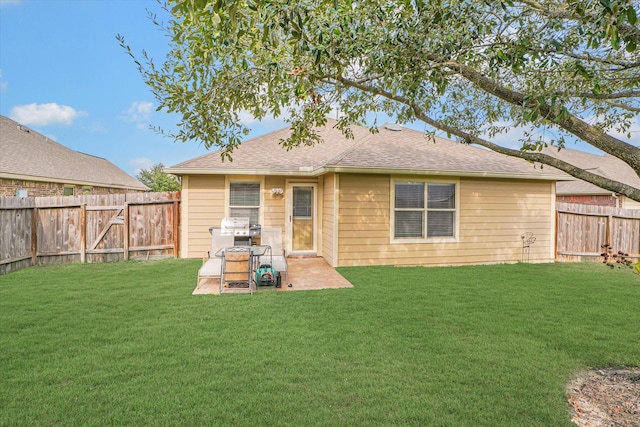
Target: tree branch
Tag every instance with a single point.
(608, 184)
(623, 106)
(624, 65)
(616, 95)
(567, 14)
(591, 134)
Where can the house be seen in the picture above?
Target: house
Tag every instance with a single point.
(583, 193)
(395, 197)
(32, 164)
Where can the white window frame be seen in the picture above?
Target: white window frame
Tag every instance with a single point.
(244, 180)
(425, 211)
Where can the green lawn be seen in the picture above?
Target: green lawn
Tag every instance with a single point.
(127, 344)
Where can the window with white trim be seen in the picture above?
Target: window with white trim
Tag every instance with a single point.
(424, 210)
(244, 201)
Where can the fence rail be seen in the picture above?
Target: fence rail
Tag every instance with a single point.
(582, 230)
(100, 228)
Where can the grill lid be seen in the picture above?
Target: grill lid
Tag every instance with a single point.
(238, 226)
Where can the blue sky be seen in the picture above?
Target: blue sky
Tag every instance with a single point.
(63, 74)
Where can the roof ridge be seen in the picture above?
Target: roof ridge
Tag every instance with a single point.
(349, 150)
(220, 149)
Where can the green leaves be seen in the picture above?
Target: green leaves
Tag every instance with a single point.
(632, 17)
(299, 60)
(157, 180)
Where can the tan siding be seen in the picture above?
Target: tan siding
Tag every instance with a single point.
(184, 218)
(364, 216)
(206, 209)
(487, 231)
(274, 204)
(328, 218)
(628, 203)
(493, 214)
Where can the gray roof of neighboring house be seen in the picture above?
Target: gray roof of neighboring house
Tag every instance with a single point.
(606, 166)
(29, 155)
(392, 150)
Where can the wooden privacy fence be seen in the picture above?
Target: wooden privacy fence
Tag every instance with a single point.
(583, 229)
(101, 228)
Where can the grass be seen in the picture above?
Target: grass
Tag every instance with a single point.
(127, 344)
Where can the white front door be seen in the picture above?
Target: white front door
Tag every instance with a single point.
(301, 225)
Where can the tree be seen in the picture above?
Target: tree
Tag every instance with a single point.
(562, 69)
(157, 180)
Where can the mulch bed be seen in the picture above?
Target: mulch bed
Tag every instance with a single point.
(606, 397)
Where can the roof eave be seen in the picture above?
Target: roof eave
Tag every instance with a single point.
(469, 174)
(22, 177)
(213, 171)
(364, 170)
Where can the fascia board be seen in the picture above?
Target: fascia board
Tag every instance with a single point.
(206, 171)
(378, 171)
(67, 181)
(464, 174)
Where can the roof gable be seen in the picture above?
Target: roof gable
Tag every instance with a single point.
(33, 156)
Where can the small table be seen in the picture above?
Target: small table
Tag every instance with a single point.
(254, 253)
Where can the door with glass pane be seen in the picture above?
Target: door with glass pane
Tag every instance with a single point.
(302, 218)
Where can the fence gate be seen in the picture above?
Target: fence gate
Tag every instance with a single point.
(52, 230)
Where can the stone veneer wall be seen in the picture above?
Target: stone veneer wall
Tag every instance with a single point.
(8, 188)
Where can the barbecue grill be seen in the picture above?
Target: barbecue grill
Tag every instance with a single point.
(241, 230)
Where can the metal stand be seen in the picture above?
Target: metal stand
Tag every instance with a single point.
(528, 239)
(236, 269)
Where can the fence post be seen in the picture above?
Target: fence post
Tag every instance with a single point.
(34, 236)
(83, 233)
(557, 235)
(125, 231)
(176, 228)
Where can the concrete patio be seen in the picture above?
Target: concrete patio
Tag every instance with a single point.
(305, 273)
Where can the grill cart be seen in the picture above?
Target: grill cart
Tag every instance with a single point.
(243, 233)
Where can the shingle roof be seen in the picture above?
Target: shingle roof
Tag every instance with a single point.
(30, 155)
(395, 149)
(606, 166)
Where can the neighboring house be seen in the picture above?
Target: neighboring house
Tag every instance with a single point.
(583, 193)
(32, 165)
(395, 198)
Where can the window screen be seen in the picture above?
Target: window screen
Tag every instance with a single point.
(244, 201)
(409, 205)
(415, 220)
(302, 202)
(441, 206)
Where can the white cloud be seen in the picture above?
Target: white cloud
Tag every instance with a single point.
(247, 119)
(140, 163)
(45, 114)
(3, 85)
(633, 132)
(139, 112)
(510, 138)
(98, 127)
(9, 2)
